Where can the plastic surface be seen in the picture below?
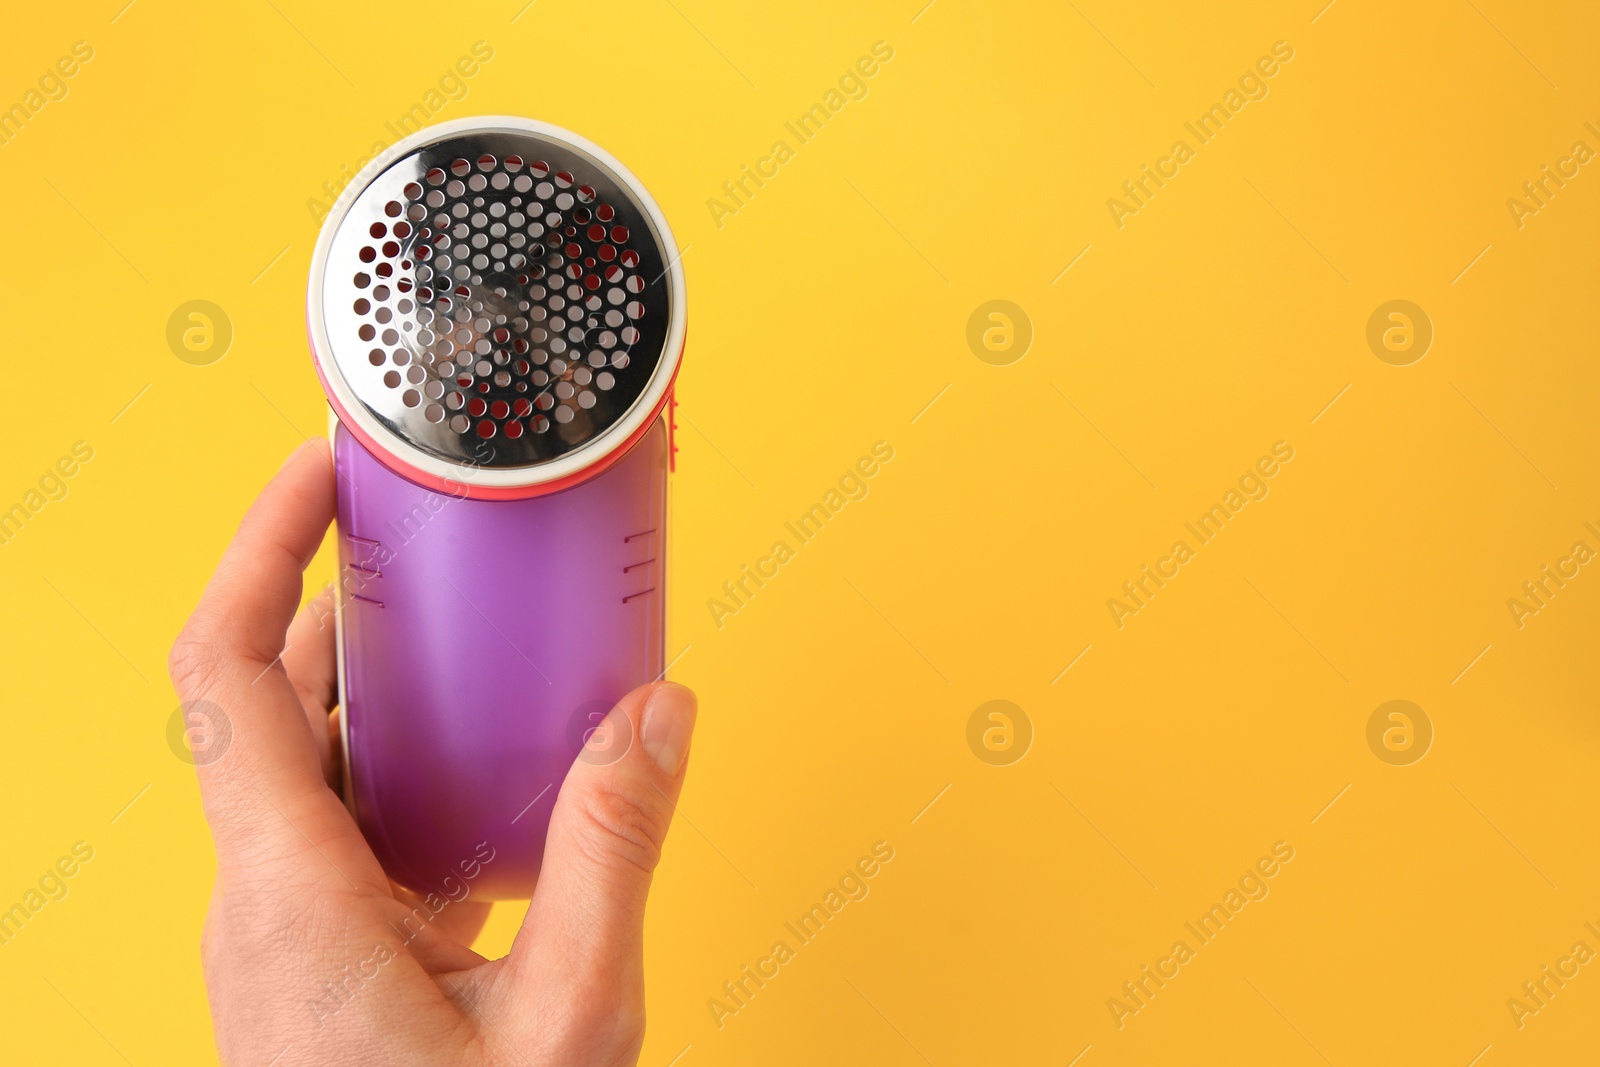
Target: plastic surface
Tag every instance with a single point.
(481, 642)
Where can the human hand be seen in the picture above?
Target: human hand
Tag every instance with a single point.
(301, 906)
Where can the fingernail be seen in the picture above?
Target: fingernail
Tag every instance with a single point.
(668, 722)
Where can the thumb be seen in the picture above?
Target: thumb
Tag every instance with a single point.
(585, 925)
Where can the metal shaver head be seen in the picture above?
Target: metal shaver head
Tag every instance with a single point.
(496, 304)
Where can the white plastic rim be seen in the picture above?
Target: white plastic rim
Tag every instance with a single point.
(562, 467)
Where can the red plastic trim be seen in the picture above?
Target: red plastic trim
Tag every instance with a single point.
(672, 430)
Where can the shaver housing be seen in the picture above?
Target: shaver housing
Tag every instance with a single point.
(501, 390)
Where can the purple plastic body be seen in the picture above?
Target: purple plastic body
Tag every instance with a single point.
(482, 642)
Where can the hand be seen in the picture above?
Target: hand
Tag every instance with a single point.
(302, 959)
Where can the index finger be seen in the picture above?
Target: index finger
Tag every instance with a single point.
(228, 655)
(250, 600)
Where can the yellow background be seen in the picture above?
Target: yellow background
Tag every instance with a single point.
(825, 315)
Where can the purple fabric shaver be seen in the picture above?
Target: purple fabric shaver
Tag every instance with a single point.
(496, 311)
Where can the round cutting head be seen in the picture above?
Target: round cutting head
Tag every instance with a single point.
(496, 303)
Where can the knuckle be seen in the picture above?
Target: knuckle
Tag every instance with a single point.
(622, 828)
(274, 918)
(195, 659)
